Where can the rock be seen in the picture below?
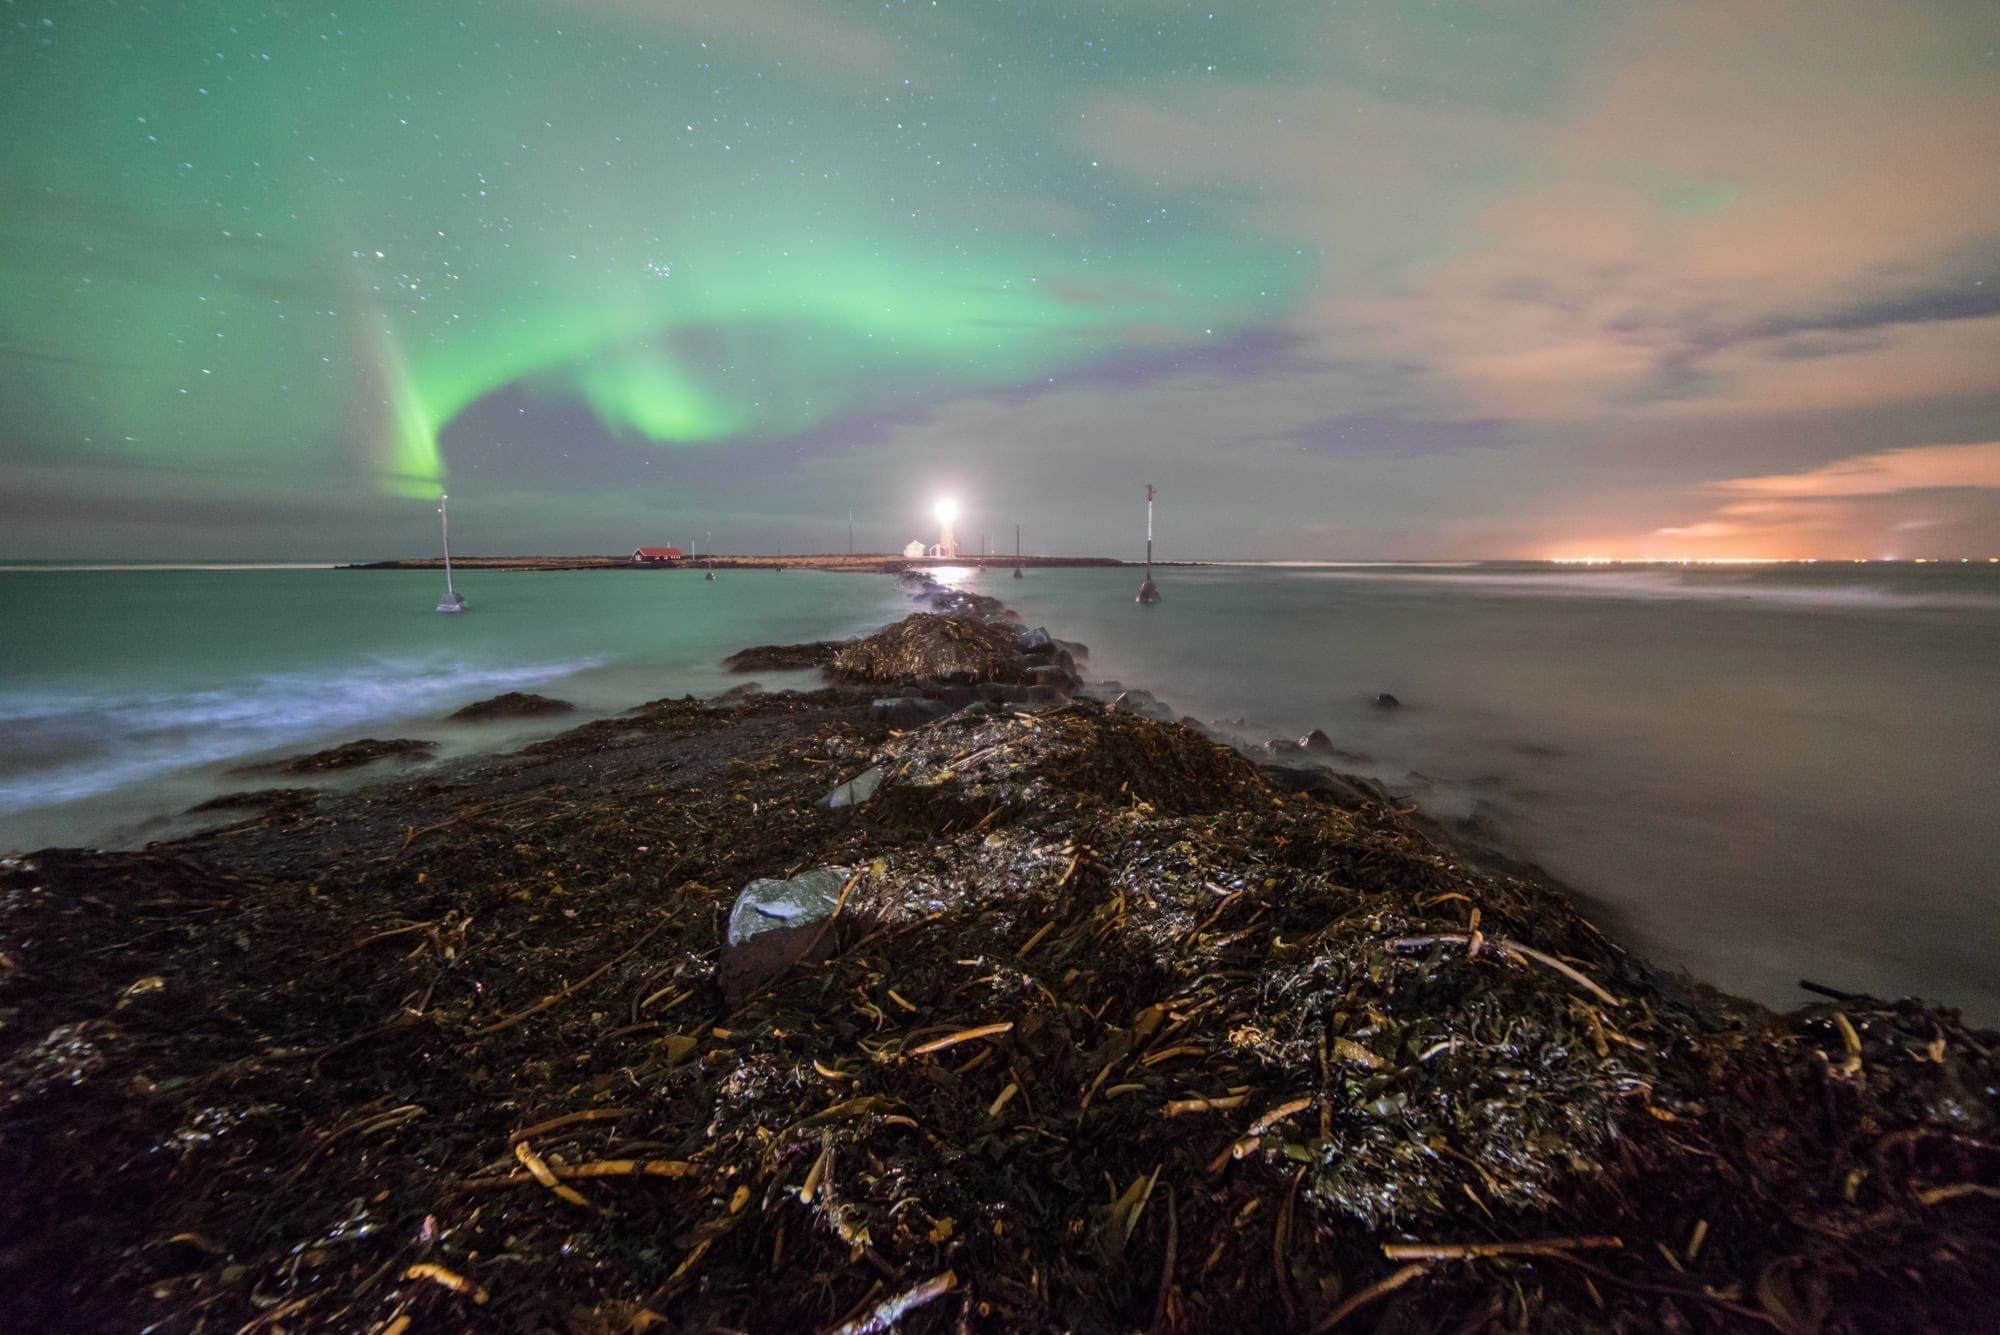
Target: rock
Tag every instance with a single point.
(1317, 743)
(783, 657)
(958, 602)
(1079, 652)
(906, 712)
(776, 924)
(1059, 678)
(264, 799)
(1346, 790)
(855, 791)
(1051, 657)
(1035, 641)
(954, 695)
(1387, 701)
(1144, 703)
(766, 905)
(1283, 746)
(348, 755)
(743, 692)
(514, 704)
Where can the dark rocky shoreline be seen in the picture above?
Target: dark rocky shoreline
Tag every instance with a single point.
(1111, 1029)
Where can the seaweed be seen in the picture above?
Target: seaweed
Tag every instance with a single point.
(929, 647)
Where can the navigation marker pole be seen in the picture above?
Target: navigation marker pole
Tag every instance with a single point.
(1017, 551)
(1149, 592)
(453, 600)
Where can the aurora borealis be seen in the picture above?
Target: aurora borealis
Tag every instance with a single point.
(1371, 279)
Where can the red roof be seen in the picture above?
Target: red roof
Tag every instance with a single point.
(657, 554)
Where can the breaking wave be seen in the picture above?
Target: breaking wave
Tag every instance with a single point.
(67, 745)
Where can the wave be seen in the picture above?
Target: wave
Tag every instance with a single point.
(64, 745)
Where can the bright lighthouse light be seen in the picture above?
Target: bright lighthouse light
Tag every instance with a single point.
(947, 510)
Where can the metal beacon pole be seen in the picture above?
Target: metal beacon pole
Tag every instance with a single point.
(453, 600)
(1149, 592)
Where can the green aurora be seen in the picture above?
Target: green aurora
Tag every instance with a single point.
(267, 238)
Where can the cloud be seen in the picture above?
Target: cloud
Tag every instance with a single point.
(1673, 229)
(1866, 504)
(1882, 474)
(1708, 528)
(1396, 433)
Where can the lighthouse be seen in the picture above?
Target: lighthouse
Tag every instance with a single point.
(947, 515)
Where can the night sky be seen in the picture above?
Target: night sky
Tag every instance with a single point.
(1345, 280)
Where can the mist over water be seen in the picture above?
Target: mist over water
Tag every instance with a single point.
(1758, 774)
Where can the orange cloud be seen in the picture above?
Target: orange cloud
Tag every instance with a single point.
(1881, 474)
(1864, 505)
(1796, 220)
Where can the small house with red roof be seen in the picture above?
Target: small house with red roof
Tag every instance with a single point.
(656, 556)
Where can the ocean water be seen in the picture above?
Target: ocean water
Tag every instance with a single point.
(126, 696)
(1757, 774)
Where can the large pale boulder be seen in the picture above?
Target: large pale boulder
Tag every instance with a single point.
(766, 905)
